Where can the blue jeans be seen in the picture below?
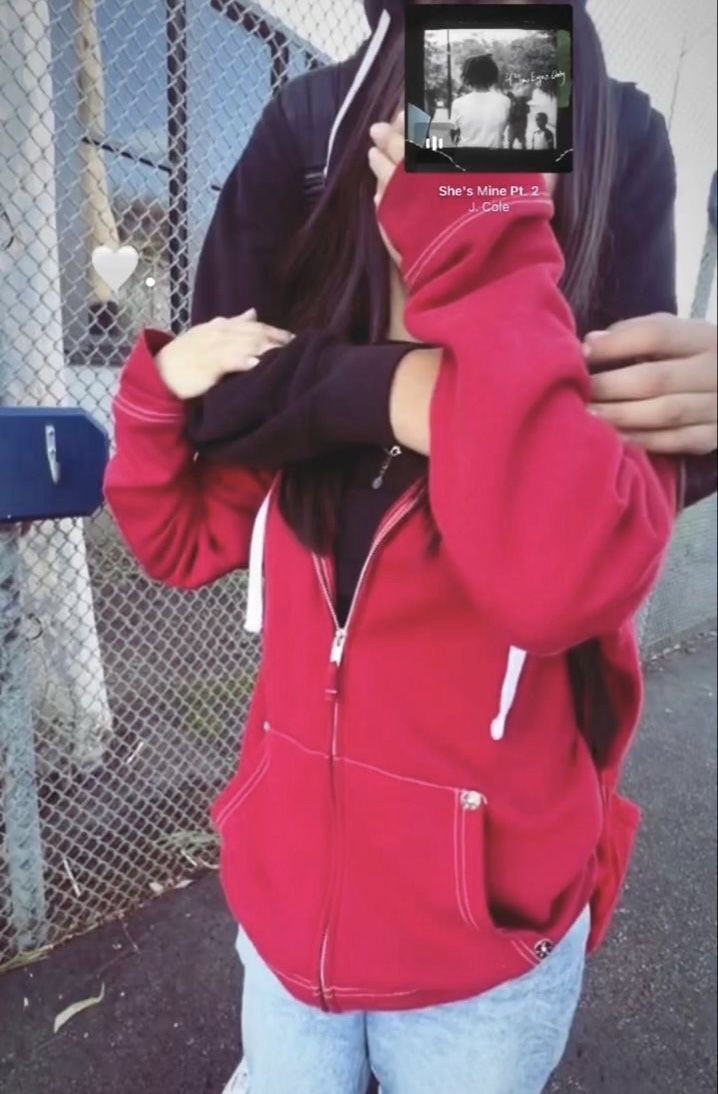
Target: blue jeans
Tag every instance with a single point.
(505, 1041)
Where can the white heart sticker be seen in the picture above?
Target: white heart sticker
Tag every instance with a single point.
(115, 267)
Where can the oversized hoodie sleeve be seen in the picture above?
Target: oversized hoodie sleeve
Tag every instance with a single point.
(186, 522)
(555, 525)
(299, 402)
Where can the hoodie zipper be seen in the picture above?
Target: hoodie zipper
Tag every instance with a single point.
(403, 507)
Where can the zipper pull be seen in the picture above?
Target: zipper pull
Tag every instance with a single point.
(338, 646)
(391, 453)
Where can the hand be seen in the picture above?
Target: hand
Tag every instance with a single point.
(397, 331)
(410, 397)
(385, 155)
(386, 152)
(194, 362)
(667, 402)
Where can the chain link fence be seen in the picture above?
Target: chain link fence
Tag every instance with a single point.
(120, 120)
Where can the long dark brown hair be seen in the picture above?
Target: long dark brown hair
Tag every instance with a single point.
(336, 272)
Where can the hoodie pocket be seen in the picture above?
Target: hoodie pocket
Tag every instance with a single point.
(470, 859)
(275, 829)
(251, 771)
(414, 889)
(413, 854)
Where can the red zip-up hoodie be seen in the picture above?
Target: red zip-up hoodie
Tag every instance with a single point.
(415, 817)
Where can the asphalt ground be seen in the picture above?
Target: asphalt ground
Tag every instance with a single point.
(169, 1019)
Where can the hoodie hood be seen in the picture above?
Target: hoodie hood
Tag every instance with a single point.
(380, 16)
(374, 8)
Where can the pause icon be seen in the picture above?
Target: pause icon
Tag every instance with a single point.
(434, 143)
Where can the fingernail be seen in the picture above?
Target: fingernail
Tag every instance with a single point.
(594, 335)
(252, 361)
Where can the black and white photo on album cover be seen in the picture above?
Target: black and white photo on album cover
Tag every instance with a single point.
(488, 88)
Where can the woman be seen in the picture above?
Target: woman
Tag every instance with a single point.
(424, 825)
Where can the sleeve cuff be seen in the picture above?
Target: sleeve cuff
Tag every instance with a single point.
(141, 375)
(351, 403)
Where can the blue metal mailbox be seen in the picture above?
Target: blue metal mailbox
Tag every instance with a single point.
(52, 461)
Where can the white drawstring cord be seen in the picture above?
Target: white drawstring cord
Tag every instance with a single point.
(366, 62)
(514, 667)
(255, 585)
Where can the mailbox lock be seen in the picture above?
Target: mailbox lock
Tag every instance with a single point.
(51, 451)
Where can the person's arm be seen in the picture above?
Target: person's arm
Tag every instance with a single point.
(666, 402)
(556, 526)
(185, 522)
(637, 279)
(313, 395)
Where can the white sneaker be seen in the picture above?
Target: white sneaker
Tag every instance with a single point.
(239, 1081)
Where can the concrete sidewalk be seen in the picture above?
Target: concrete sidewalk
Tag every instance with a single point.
(169, 1022)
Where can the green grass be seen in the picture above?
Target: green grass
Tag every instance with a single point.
(205, 702)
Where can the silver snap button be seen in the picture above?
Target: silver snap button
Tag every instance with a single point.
(471, 799)
(543, 948)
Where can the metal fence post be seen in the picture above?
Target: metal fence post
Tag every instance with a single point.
(17, 759)
(707, 269)
(178, 158)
